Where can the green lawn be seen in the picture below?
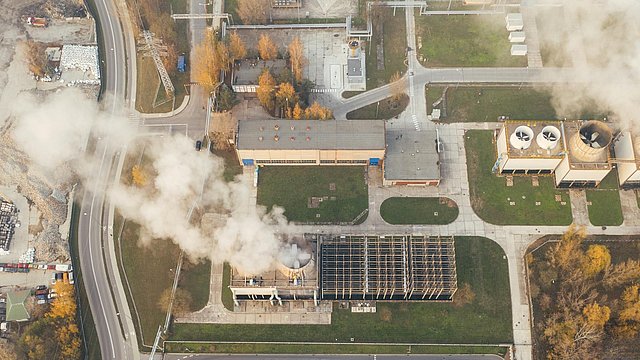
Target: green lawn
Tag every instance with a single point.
(395, 44)
(330, 349)
(232, 166)
(385, 109)
(482, 104)
(293, 188)
(227, 295)
(464, 41)
(148, 279)
(480, 263)
(491, 198)
(418, 210)
(348, 94)
(604, 202)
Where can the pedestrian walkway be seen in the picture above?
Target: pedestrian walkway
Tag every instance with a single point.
(534, 58)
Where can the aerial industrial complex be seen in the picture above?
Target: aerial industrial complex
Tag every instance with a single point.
(368, 177)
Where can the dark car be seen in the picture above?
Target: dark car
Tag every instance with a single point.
(198, 145)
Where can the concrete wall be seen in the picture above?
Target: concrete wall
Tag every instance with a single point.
(530, 163)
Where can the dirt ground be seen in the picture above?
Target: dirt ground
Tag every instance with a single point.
(15, 78)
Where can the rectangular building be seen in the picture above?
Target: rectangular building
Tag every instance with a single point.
(310, 142)
(390, 267)
(245, 73)
(588, 154)
(627, 156)
(412, 158)
(529, 147)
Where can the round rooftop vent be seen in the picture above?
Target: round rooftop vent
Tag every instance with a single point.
(294, 257)
(548, 138)
(521, 137)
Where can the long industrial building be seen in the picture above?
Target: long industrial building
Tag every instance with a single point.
(627, 151)
(356, 267)
(310, 142)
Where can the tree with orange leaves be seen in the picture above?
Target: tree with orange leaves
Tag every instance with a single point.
(267, 48)
(296, 58)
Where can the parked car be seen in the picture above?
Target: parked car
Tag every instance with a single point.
(198, 145)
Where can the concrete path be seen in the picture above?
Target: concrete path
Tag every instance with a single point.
(579, 209)
(534, 59)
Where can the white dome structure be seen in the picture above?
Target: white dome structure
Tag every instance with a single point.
(521, 138)
(548, 138)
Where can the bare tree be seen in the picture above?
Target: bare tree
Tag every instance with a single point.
(253, 11)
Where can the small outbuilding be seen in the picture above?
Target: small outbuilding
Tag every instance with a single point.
(518, 50)
(16, 311)
(514, 22)
(246, 73)
(517, 37)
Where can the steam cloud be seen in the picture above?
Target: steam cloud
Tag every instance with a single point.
(53, 132)
(598, 41)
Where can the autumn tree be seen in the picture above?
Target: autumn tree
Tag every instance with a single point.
(596, 260)
(296, 58)
(253, 11)
(464, 295)
(286, 96)
(629, 316)
(64, 305)
(266, 86)
(317, 112)
(623, 273)
(397, 86)
(267, 48)
(207, 64)
(181, 301)
(236, 46)
(138, 176)
(567, 252)
(297, 112)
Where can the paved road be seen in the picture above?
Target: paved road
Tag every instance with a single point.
(96, 273)
(328, 357)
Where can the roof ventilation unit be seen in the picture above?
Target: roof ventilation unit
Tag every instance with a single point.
(521, 137)
(548, 138)
(591, 140)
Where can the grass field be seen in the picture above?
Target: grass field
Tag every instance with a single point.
(148, 279)
(604, 202)
(385, 109)
(227, 295)
(480, 263)
(417, 210)
(464, 41)
(482, 104)
(330, 349)
(293, 188)
(492, 199)
(395, 43)
(148, 79)
(232, 166)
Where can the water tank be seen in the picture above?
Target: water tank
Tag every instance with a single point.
(521, 138)
(354, 48)
(591, 140)
(548, 138)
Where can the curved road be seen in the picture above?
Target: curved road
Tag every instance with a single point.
(92, 237)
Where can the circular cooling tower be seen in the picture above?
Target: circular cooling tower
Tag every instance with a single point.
(548, 138)
(521, 138)
(295, 256)
(591, 140)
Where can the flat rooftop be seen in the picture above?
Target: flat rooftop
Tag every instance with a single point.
(247, 72)
(411, 155)
(354, 67)
(310, 135)
(534, 150)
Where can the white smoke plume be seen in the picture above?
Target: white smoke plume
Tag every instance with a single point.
(598, 43)
(53, 132)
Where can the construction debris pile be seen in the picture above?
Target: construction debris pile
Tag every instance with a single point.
(83, 58)
(15, 170)
(8, 223)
